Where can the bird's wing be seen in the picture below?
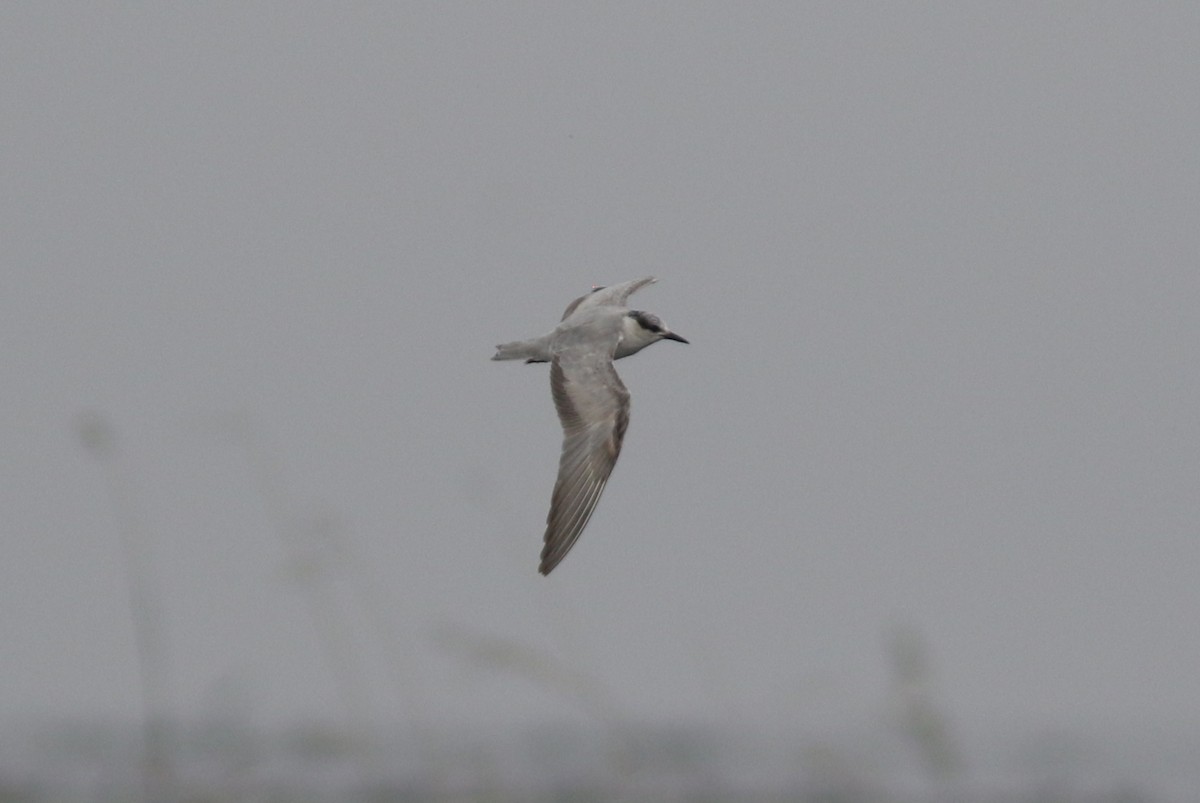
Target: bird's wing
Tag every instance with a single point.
(615, 295)
(593, 406)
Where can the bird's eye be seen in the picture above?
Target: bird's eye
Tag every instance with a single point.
(648, 322)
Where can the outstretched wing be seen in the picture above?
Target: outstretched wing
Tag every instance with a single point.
(615, 295)
(593, 406)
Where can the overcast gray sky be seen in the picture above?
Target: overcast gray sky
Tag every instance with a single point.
(939, 264)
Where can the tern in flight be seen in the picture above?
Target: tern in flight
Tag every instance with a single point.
(592, 402)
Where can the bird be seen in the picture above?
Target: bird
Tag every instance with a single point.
(591, 400)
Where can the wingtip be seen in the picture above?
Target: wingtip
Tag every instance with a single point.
(549, 562)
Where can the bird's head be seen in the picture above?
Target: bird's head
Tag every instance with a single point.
(643, 328)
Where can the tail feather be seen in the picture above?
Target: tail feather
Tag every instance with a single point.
(520, 350)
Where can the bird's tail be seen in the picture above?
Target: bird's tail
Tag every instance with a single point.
(527, 350)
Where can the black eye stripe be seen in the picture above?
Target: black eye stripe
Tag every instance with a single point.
(646, 320)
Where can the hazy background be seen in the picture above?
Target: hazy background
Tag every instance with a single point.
(939, 264)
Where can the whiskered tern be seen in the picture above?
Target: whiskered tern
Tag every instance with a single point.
(592, 402)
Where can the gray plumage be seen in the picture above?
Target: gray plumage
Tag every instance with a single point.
(591, 400)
